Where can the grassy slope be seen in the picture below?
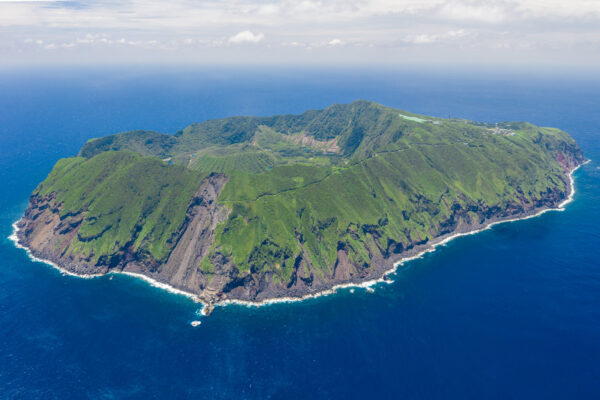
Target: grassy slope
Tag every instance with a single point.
(398, 192)
(125, 196)
(392, 179)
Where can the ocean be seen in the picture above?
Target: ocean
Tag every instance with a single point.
(511, 312)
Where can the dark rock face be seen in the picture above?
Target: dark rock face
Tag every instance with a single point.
(464, 218)
(48, 235)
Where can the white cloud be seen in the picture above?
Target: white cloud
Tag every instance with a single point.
(433, 38)
(292, 44)
(105, 28)
(246, 37)
(483, 12)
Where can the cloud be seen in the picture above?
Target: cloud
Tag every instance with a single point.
(105, 29)
(246, 37)
(433, 38)
(292, 44)
(482, 12)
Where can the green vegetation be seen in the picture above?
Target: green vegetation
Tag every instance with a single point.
(360, 177)
(126, 198)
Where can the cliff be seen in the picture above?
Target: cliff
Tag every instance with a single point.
(287, 206)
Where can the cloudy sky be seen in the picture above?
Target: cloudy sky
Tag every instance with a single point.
(559, 32)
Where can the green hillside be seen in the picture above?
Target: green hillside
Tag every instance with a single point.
(361, 178)
(126, 198)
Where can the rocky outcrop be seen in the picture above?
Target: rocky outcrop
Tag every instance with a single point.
(48, 235)
(257, 285)
(193, 243)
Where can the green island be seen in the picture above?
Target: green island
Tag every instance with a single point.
(257, 208)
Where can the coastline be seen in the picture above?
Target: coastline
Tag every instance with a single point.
(368, 285)
(15, 239)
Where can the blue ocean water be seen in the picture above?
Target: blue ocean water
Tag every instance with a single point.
(512, 312)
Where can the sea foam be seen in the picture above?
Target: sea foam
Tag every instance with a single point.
(369, 286)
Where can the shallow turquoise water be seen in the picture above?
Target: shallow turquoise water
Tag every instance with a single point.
(511, 312)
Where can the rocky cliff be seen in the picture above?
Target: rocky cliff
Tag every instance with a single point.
(47, 234)
(227, 225)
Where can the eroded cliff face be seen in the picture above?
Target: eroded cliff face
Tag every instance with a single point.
(192, 244)
(48, 236)
(260, 285)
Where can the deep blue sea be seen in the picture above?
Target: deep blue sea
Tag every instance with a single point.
(512, 312)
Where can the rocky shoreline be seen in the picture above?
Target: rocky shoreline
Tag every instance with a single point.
(45, 235)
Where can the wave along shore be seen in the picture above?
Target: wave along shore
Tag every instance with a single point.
(366, 285)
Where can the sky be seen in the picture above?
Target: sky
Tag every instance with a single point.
(498, 32)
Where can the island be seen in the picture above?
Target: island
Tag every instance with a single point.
(253, 209)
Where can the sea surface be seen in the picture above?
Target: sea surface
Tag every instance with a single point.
(512, 312)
